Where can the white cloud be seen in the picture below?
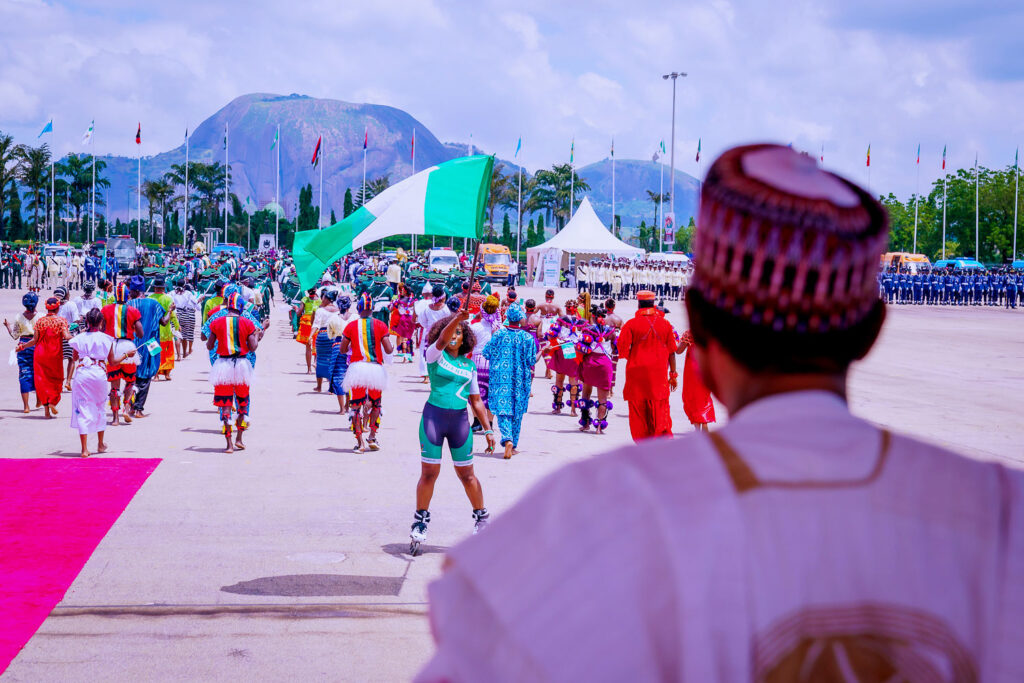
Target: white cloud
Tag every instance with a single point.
(807, 72)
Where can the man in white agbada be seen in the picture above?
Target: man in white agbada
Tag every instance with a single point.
(798, 542)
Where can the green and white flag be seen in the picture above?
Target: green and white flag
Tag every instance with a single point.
(274, 144)
(447, 200)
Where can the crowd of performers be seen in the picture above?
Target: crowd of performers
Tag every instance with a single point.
(626, 278)
(952, 288)
(108, 345)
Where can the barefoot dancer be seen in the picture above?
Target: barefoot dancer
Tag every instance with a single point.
(453, 384)
(22, 332)
(124, 324)
(231, 375)
(366, 379)
(93, 350)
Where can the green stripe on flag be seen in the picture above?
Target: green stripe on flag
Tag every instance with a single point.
(452, 208)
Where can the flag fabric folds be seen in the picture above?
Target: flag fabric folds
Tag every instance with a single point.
(48, 128)
(572, 151)
(316, 152)
(822, 157)
(868, 163)
(613, 146)
(88, 134)
(138, 135)
(943, 157)
(277, 133)
(698, 151)
(366, 138)
(519, 146)
(662, 146)
(447, 200)
(412, 145)
(918, 162)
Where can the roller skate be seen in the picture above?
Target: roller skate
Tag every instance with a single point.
(418, 533)
(481, 518)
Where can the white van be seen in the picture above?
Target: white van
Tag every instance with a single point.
(442, 260)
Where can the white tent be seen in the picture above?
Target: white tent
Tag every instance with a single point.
(585, 236)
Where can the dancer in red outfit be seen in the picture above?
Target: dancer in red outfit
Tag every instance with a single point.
(231, 374)
(648, 345)
(697, 403)
(50, 332)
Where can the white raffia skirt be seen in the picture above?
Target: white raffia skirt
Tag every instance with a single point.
(231, 372)
(366, 376)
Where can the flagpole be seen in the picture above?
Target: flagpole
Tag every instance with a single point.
(613, 186)
(320, 216)
(277, 192)
(917, 186)
(92, 207)
(138, 226)
(225, 182)
(184, 233)
(53, 197)
(248, 232)
(944, 177)
(519, 214)
(977, 244)
(414, 173)
(1016, 198)
(661, 202)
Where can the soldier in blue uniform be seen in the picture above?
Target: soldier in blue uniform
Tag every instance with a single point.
(1011, 288)
(917, 286)
(888, 286)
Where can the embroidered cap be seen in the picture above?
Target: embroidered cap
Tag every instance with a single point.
(786, 245)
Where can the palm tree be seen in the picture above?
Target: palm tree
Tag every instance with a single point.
(373, 188)
(10, 169)
(34, 174)
(553, 191)
(658, 200)
(176, 177)
(77, 171)
(157, 192)
(500, 187)
(510, 201)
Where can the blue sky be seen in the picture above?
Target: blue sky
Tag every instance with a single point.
(838, 74)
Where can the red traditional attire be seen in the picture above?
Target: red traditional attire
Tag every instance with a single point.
(48, 360)
(646, 342)
(697, 403)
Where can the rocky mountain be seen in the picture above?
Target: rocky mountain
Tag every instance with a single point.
(253, 119)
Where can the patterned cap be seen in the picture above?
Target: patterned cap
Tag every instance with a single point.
(364, 304)
(645, 295)
(121, 292)
(786, 245)
(235, 302)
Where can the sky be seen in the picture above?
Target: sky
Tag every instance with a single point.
(829, 74)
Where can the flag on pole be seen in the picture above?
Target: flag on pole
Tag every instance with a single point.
(822, 157)
(698, 150)
(88, 134)
(447, 200)
(519, 146)
(366, 137)
(613, 147)
(868, 163)
(316, 152)
(1015, 152)
(274, 143)
(412, 145)
(138, 135)
(918, 162)
(48, 128)
(225, 136)
(186, 132)
(572, 151)
(662, 147)
(943, 157)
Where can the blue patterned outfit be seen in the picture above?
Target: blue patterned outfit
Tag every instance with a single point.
(512, 354)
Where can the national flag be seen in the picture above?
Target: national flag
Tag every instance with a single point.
(138, 135)
(698, 150)
(822, 157)
(918, 162)
(869, 155)
(316, 152)
(613, 147)
(366, 138)
(48, 128)
(412, 145)
(447, 200)
(1015, 152)
(277, 134)
(572, 151)
(225, 136)
(943, 157)
(519, 146)
(88, 134)
(662, 147)
(186, 132)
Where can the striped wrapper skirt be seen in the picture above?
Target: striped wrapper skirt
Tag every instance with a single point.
(325, 350)
(26, 372)
(338, 369)
(187, 320)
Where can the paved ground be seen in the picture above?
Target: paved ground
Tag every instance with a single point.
(288, 559)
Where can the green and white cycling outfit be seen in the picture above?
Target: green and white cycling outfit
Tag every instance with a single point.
(452, 382)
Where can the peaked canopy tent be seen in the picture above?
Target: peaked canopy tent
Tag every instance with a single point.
(584, 235)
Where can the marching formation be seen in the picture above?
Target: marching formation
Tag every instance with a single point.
(951, 288)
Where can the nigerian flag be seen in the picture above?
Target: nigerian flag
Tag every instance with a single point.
(447, 200)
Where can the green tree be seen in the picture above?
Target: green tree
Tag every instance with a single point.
(307, 212)
(10, 169)
(499, 194)
(77, 170)
(506, 233)
(333, 219)
(349, 205)
(35, 175)
(540, 235)
(373, 188)
(658, 199)
(551, 192)
(684, 238)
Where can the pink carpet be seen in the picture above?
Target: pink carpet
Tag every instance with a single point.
(53, 514)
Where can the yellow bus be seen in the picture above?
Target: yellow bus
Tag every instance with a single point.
(496, 259)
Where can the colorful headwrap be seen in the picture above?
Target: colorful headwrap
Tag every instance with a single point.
(235, 301)
(121, 292)
(61, 293)
(515, 314)
(785, 245)
(344, 303)
(137, 283)
(364, 304)
(30, 300)
(491, 304)
(52, 304)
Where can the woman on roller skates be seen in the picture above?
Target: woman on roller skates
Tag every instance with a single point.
(453, 385)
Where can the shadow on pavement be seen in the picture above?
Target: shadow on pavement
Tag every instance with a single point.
(318, 585)
(401, 550)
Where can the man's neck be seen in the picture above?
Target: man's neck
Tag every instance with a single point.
(763, 386)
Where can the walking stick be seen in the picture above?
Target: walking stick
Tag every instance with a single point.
(472, 275)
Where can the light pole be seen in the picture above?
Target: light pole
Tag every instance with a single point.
(672, 157)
